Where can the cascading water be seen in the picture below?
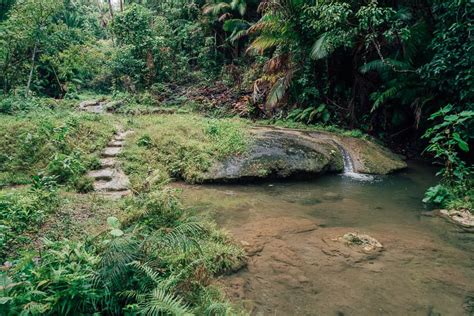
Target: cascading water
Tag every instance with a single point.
(349, 167)
(348, 163)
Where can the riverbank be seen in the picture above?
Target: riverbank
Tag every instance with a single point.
(57, 162)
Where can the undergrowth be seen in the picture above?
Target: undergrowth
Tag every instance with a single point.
(58, 141)
(159, 260)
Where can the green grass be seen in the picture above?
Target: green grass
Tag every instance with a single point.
(315, 127)
(29, 141)
(179, 146)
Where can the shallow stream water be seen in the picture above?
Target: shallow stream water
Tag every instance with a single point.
(299, 266)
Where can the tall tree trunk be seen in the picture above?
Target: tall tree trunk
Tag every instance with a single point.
(33, 57)
(121, 5)
(111, 9)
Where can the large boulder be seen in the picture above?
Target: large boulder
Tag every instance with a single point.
(277, 152)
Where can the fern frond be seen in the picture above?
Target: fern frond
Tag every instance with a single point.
(383, 66)
(174, 279)
(159, 303)
(184, 237)
(153, 275)
(120, 252)
(219, 308)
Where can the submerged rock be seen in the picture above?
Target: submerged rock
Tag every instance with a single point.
(281, 153)
(365, 242)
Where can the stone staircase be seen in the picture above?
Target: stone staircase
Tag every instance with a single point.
(110, 179)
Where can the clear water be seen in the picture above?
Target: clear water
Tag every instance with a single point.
(426, 268)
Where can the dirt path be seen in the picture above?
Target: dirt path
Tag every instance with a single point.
(110, 178)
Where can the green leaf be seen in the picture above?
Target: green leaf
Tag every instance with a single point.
(461, 143)
(113, 222)
(116, 232)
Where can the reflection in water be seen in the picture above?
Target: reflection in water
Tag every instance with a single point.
(296, 265)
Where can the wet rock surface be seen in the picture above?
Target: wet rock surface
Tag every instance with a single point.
(462, 218)
(278, 155)
(110, 180)
(283, 153)
(364, 242)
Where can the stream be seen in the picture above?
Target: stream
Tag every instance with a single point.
(298, 265)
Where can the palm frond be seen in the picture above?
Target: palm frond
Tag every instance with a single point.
(264, 42)
(239, 5)
(279, 89)
(216, 8)
(382, 66)
(321, 48)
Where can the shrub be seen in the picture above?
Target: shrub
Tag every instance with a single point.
(61, 281)
(66, 167)
(161, 263)
(25, 212)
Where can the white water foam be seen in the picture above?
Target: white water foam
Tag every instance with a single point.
(349, 167)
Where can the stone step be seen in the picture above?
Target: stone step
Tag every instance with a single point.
(111, 151)
(108, 162)
(115, 143)
(119, 182)
(121, 135)
(103, 174)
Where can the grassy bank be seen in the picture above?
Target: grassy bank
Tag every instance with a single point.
(66, 252)
(180, 146)
(58, 141)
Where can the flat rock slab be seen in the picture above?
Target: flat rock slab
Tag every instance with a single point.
(119, 182)
(88, 103)
(92, 106)
(103, 174)
(280, 153)
(115, 195)
(121, 135)
(108, 162)
(111, 151)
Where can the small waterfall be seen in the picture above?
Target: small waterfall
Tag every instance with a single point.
(349, 166)
(348, 163)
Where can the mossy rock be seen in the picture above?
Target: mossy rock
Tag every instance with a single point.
(371, 158)
(282, 153)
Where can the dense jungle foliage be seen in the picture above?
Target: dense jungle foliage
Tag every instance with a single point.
(400, 71)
